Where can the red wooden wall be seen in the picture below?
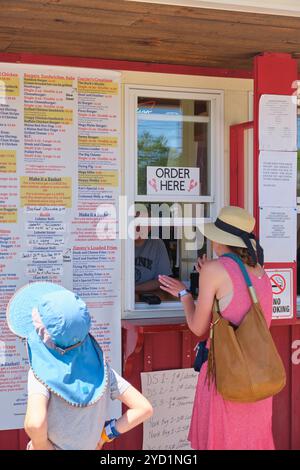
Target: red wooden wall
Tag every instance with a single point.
(156, 345)
(162, 347)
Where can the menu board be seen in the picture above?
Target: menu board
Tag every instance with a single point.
(59, 161)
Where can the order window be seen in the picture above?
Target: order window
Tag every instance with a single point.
(171, 161)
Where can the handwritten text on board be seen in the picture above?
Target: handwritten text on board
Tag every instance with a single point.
(171, 393)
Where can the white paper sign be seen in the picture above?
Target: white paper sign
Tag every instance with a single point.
(278, 122)
(173, 180)
(282, 288)
(60, 138)
(277, 179)
(278, 230)
(171, 393)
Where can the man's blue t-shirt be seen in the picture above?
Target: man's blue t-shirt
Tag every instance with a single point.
(151, 259)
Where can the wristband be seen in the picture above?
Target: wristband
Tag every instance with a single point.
(183, 292)
(104, 436)
(111, 430)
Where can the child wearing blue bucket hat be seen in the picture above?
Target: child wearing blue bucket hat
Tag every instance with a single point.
(69, 381)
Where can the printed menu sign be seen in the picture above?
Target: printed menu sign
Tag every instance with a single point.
(278, 229)
(278, 195)
(59, 161)
(278, 123)
(277, 179)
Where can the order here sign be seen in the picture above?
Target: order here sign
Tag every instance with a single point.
(173, 180)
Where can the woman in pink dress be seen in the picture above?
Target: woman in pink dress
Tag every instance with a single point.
(217, 423)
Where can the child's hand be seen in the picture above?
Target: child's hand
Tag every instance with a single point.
(100, 444)
(46, 446)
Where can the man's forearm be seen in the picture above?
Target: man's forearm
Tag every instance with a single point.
(148, 286)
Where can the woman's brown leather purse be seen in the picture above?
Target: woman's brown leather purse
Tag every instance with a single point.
(243, 360)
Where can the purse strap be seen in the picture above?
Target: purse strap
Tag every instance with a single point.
(211, 366)
(246, 276)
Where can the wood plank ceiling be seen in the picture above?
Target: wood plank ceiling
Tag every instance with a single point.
(117, 29)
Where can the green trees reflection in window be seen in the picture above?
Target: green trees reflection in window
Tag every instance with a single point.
(153, 151)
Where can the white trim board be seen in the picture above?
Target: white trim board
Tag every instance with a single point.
(269, 7)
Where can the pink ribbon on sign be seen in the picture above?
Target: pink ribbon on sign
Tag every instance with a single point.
(152, 183)
(192, 185)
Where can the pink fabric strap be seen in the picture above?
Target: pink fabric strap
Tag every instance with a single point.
(45, 336)
(41, 329)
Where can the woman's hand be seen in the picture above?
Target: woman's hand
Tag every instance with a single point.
(171, 285)
(201, 262)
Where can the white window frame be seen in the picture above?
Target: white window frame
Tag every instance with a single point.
(215, 199)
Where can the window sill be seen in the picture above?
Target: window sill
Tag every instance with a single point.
(163, 310)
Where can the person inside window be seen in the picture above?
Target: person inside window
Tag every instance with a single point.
(151, 260)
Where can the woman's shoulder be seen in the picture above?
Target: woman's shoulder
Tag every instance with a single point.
(213, 268)
(257, 271)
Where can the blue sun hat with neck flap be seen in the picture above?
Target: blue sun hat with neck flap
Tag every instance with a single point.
(63, 355)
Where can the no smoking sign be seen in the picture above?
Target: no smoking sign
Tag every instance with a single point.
(282, 288)
(278, 284)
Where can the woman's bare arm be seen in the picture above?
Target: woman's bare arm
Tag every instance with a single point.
(209, 280)
(197, 316)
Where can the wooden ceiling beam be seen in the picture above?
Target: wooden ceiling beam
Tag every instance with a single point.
(120, 30)
(230, 34)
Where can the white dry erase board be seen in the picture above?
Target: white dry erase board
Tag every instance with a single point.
(171, 393)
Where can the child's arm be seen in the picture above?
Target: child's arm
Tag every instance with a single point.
(139, 410)
(36, 422)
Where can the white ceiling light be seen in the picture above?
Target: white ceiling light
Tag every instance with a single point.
(271, 7)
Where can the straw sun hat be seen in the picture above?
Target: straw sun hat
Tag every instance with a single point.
(234, 227)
